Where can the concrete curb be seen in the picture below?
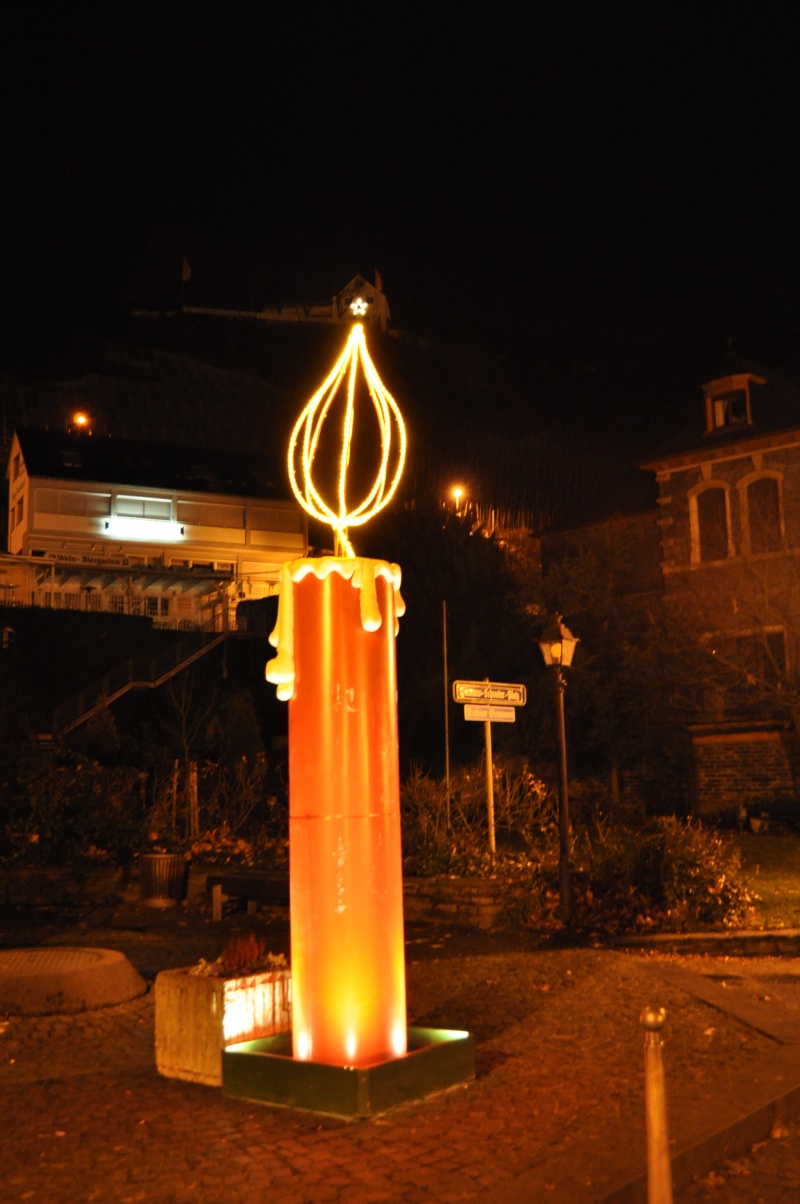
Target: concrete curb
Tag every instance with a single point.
(737, 1137)
(733, 1141)
(744, 942)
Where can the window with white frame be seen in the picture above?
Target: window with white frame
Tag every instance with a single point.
(730, 409)
(143, 507)
(728, 401)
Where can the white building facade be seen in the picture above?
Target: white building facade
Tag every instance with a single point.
(112, 525)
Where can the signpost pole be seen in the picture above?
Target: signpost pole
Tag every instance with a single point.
(489, 701)
(446, 711)
(487, 730)
(564, 863)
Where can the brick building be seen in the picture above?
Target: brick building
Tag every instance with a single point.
(729, 502)
(720, 550)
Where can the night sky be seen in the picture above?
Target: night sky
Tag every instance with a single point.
(609, 181)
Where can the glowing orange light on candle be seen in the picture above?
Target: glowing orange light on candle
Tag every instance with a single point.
(348, 971)
(335, 665)
(304, 443)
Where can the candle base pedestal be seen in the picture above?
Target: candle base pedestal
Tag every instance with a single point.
(265, 1070)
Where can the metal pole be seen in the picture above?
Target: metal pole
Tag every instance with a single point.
(659, 1168)
(564, 862)
(446, 710)
(487, 732)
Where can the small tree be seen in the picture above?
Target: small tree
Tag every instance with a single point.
(186, 719)
(444, 557)
(633, 684)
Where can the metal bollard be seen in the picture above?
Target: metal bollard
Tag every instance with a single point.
(659, 1168)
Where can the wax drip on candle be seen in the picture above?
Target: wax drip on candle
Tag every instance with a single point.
(305, 438)
(361, 572)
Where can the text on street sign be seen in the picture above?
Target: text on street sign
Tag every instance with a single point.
(499, 693)
(487, 714)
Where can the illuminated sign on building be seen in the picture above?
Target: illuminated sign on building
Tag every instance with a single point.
(148, 529)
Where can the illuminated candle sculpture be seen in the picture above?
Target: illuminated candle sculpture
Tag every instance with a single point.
(335, 665)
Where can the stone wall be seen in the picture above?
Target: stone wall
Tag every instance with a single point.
(473, 902)
(731, 768)
(24, 886)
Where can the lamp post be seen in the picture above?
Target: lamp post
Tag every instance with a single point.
(558, 647)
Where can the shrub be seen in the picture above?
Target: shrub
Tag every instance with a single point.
(242, 956)
(190, 801)
(701, 874)
(630, 873)
(221, 847)
(423, 816)
(68, 808)
(453, 839)
(665, 874)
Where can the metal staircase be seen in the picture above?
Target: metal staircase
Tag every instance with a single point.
(137, 673)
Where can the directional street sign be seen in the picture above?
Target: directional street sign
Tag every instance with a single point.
(489, 702)
(486, 714)
(491, 692)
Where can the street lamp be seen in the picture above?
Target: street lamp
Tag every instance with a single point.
(457, 492)
(558, 647)
(81, 422)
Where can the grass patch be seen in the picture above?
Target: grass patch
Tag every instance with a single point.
(772, 867)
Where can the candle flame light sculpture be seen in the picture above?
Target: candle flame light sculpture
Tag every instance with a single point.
(335, 665)
(305, 438)
(349, 1051)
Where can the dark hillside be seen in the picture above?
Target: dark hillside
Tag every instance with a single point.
(516, 442)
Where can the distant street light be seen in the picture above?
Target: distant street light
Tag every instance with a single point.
(558, 647)
(458, 493)
(81, 422)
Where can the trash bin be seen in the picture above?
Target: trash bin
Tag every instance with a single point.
(161, 879)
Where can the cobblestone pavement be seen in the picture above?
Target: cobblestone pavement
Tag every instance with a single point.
(556, 1111)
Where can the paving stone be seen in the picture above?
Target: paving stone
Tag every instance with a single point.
(558, 1100)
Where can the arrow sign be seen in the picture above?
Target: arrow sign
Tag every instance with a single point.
(491, 692)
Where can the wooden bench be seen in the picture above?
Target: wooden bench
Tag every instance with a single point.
(254, 886)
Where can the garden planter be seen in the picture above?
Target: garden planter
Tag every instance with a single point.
(161, 879)
(197, 1015)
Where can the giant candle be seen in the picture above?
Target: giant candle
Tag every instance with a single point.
(335, 664)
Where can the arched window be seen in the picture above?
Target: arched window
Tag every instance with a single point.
(711, 539)
(764, 527)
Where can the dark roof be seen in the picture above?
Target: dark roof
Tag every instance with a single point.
(80, 457)
(774, 407)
